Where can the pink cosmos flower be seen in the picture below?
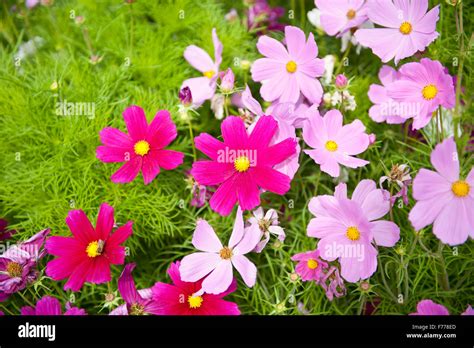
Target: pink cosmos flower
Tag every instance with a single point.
(428, 307)
(333, 143)
(264, 17)
(468, 311)
(287, 72)
(347, 228)
(386, 109)
(426, 85)
(242, 164)
(5, 233)
(285, 115)
(204, 87)
(443, 198)
(215, 261)
(48, 305)
(136, 302)
(141, 149)
(310, 266)
(18, 264)
(338, 16)
(407, 28)
(267, 223)
(181, 298)
(87, 256)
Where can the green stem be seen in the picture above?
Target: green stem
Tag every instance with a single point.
(346, 54)
(25, 299)
(444, 272)
(460, 30)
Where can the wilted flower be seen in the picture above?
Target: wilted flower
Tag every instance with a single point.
(232, 15)
(18, 264)
(267, 223)
(333, 284)
(399, 175)
(185, 96)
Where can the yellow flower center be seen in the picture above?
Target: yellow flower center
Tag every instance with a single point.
(312, 264)
(406, 28)
(195, 301)
(137, 309)
(291, 66)
(14, 269)
(429, 92)
(331, 145)
(460, 188)
(142, 147)
(209, 74)
(351, 14)
(353, 233)
(242, 164)
(95, 248)
(225, 253)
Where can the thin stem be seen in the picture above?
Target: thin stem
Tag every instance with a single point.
(444, 275)
(191, 134)
(460, 31)
(346, 54)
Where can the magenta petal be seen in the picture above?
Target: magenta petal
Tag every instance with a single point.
(248, 193)
(48, 306)
(234, 132)
(225, 197)
(80, 226)
(108, 154)
(271, 180)
(212, 173)
(136, 123)
(105, 221)
(263, 133)
(99, 271)
(278, 153)
(169, 159)
(126, 285)
(121, 234)
(150, 166)
(113, 137)
(209, 145)
(78, 276)
(161, 131)
(128, 171)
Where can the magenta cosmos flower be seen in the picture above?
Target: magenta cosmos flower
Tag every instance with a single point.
(338, 16)
(180, 298)
(347, 228)
(141, 149)
(18, 264)
(333, 143)
(310, 266)
(88, 254)
(5, 233)
(215, 261)
(428, 307)
(136, 302)
(243, 163)
(51, 306)
(443, 198)
(285, 73)
(407, 28)
(203, 88)
(426, 86)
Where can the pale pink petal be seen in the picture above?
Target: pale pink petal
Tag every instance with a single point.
(445, 159)
(452, 225)
(238, 229)
(249, 241)
(314, 131)
(386, 233)
(272, 48)
(204, 237)
(384, 13)
(250, 102)
(330, 246)
(291, 93)
(247, 269)
(295, 41)
(428, 184)
(354, 268)
(219, 279)
(427, 24)
(202, 89)
(273, 88)
(377, 39)
(199, 59)
(196, 266)
(310, 87)
(425, 212)
(266, 68)
(362, 190)
(218, 47)
(375, 205)
(322, 227)
(340, 192)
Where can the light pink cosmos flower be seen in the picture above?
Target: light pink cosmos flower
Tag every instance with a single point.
(443, 198)
(333, 143)
(426, 85)
(310, 266)
(215, 261)
(285, 115)
(468, 311)
(347, 228)
(287, 72)
(386, 109)
(407, 28)
(143, 148)
(338, 16)
(268, 224)
(204, 87)
(243, 163)
(428, 307)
